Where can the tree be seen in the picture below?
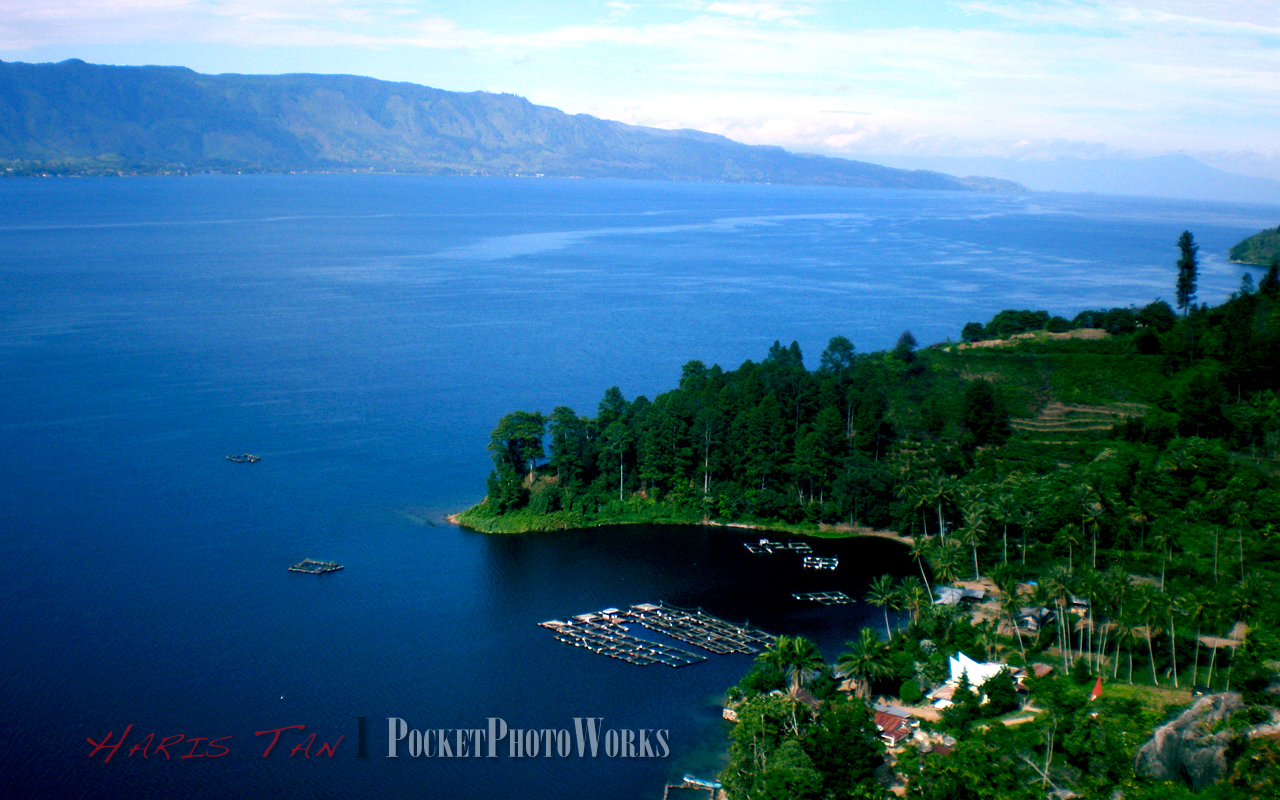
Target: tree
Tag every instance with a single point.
(845, 747)
(983, 414)
(974, 531)
(920, 551)
(1188, 270)
(905, 349)
(946, 561)
(914, 596)
(864, 661)
(1270, 283)
(517, 441)
(882, 595)
(617, 440)
(838, 357)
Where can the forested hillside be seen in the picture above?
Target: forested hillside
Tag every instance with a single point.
(1112, 482)
(78, 118)
(1261, 248)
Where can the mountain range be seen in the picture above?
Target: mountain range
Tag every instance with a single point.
(1174, 175)
(74, 117)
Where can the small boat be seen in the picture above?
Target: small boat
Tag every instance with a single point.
(244, 458)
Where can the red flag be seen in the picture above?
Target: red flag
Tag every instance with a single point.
(1097, 689)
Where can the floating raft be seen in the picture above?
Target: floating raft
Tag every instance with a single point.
(605, 633)
(245, 458)
(764, 547)
(826, 598)
(315, 567)
(818, 562)
(609, 638)
(699, 629)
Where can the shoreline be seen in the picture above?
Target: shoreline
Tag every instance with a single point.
(823, 530)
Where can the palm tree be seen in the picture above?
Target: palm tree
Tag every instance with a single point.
(1057, 584)
(1093, 514)
(1247, 595)
(1239, 517)
(1027, 519)
(1003, 510)
(938, 488)
(1173, 605)
(864, 661)
(803, 657)
(913, 494)
(882, 595)
(1199, 605)
(975, 526)
(1163, 537)
(946, 559)
(1126, 635)
(1068, 534)
(1011, 605)
(920, 549)
(1138, 516)
(1149, 609)
(915, 596)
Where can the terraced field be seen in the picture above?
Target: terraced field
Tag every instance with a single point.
(1062, 420)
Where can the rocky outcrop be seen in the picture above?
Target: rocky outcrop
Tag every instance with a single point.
(1192, 748)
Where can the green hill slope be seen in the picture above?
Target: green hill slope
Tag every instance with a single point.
(1260, 248)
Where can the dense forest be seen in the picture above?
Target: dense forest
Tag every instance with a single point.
(1261, 248)
(1118, 470)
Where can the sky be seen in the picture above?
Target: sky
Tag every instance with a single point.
(1026, 80)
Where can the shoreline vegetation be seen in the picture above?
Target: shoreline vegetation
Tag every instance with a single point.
(1112, 497)
(657, 514)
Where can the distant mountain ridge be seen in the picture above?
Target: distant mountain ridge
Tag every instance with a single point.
(1173, 175)
(74, 117)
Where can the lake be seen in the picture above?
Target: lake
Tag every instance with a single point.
(363, 334)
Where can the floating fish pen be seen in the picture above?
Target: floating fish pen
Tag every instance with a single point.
(315, 567)
(607, 636)
(764, 547)
(826, 598)
(699, 629)
(819, 562)
(605, 633)
(245, 458)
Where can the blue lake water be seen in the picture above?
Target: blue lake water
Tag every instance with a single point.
(363, 334)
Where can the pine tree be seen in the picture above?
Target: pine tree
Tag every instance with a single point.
(1187, 270)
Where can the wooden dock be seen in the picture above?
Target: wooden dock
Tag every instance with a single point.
(826, 598)
(315, 567)
(605, 633)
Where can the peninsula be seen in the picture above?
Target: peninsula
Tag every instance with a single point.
(1092, 505)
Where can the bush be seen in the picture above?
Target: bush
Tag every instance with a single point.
(910, 692)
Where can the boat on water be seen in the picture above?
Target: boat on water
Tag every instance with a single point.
(244, 458)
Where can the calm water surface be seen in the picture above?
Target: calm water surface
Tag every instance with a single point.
(363, 334)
